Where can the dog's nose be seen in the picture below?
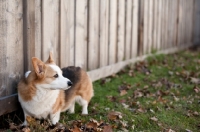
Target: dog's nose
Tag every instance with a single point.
(69, 83)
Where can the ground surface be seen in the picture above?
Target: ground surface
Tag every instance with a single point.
(161, 93)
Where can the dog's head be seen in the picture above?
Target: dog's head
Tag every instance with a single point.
(49, 75)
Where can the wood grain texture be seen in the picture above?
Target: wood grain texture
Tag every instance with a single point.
(38, 29)
(179, 39)
(163, 24)
(3, 47)
(114, 68)
(29, 33)
(67, 33)
(93, 42)
(128, 28)
(155, 26)
(11, 49)
(81, 33)
(146, 26)
(135, 29)
(9, 103)
(150, 27)
(112, 32)
(121, 30)
(104, 35)
(141, 27)
(159, 15)
(50, 29)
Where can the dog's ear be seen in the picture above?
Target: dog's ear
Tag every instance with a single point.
(50, 59)
(39, 67)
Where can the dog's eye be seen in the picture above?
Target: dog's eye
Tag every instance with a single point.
(56, 75)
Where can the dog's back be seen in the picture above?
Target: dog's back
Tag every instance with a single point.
(81, 91)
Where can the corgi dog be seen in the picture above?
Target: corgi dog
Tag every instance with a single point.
(47, 90)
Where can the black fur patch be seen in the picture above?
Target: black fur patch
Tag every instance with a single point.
(72, 73)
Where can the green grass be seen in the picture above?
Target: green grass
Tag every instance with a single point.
(168, 95)
(175, 110)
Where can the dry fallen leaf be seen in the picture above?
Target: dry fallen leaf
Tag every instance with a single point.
(107, 129)
(114, 115)
(123, 92)
(26, 130)
(195, 80)
(141, 110)
(138, 94)
(92, 124)
(196, 89)
(169, 130)
(76, 129)
(154, 119)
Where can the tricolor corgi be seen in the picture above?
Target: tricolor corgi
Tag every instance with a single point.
(48, 90)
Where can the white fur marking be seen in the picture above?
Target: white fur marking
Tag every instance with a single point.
(55, 117)
(71, 107)
(59, 83)
(83, 103)
(27, 73)
(41, 104)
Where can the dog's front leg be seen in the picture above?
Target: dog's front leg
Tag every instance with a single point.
(55, 117)
(25, 123)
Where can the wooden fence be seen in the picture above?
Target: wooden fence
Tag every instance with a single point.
(101, 36)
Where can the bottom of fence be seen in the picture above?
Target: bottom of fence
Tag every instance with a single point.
(9, 104)
(114, 68)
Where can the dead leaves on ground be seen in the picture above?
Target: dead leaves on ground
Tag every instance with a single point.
(73, 126)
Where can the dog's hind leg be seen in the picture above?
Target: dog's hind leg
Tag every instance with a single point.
(83, 103)
(72, 107)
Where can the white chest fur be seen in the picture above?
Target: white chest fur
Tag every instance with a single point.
(41, 104)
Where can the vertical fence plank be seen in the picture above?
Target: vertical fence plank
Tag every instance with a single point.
(159, 14)
(128, 28)
(170, 23)
(135, 17)
(155, 26)
(196, 22)
(38, 29)
(50, 29)
(93, 42)
(113, 32)
(141, 27)
(179, 23)
(192, 23)
(146, 27)
(163, 24)
(173, 16)
(121, 30)
(81, 33)
(165, 37)
(150, 26)
(11, 47)
(103, 40)
(29, 33)
(184, 24)
(3, 47)
(66, 33)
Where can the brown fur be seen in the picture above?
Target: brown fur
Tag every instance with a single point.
(42, 74)
(82, 86)
(60, 102)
